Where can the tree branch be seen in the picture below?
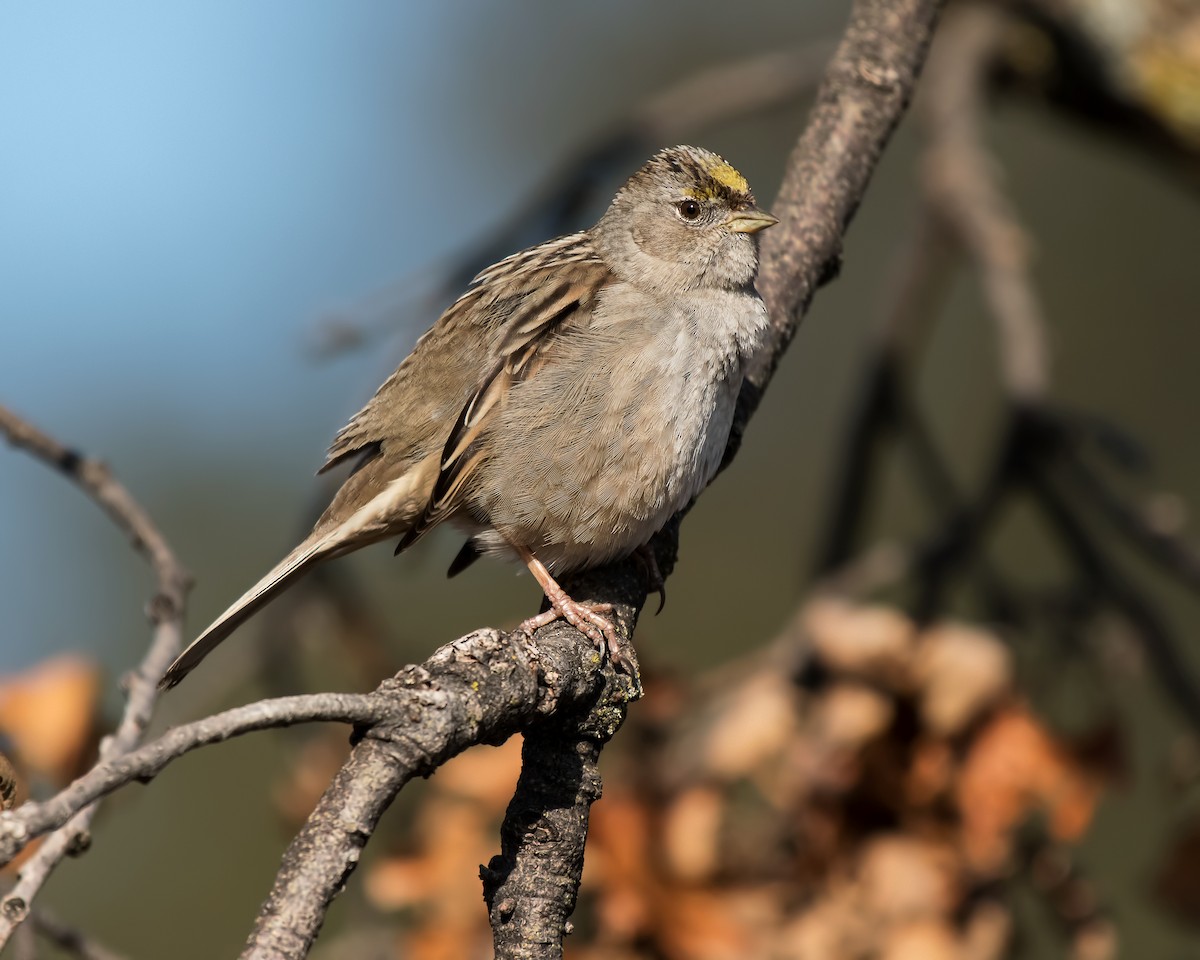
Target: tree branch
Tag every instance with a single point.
(165, 611)
(961, 183)
(479, 689)
(33, 819)
(866, 91)
(70, 941)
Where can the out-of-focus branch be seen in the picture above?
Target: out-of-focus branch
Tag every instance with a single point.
(1166, 548)
(70, 941)
(960, 181)
(882, 412)
(731, 90)
(98, 483)
(866, 91)
(165, 611)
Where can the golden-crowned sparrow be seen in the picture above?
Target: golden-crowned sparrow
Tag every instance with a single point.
(573, 399)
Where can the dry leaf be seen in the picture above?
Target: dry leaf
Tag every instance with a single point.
(960, 672)
(617, 867)
(319, 759)
(1013, 767)
(50, 715)
(691, 834)
(903, 878)
(716, 923)
(930, 773)
(483, 773)
(922, 940)
(848, 715)
(756, 723)
(871, 642)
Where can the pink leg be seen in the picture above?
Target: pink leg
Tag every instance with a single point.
(584, 617)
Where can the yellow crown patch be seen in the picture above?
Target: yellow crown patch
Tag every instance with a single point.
(721, 177)
(728, 177)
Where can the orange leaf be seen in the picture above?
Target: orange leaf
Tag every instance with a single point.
(49, 713)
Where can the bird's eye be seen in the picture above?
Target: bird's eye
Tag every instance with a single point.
(689, 209)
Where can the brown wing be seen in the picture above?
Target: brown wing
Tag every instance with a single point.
(556, 296)
(406, 419)
(416, 437)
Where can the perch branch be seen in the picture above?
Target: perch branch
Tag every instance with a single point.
(479, 689)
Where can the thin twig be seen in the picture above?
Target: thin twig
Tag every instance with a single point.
(1168, 550)
(165, 611)
(1110, 582)
(71, 941)
(33, 819)
(882, 411)
(731, 90)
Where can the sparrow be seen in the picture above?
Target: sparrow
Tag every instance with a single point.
(572, 400)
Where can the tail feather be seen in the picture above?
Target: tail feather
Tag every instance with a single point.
(371, 505)
(295, 563)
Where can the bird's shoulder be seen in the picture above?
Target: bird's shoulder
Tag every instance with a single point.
(498, 322)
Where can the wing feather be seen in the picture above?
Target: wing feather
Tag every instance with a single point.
(519, 355)
(407, 415)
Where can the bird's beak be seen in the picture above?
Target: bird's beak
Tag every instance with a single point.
(750, 221)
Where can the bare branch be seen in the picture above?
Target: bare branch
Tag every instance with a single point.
(866, 91)
(479, 689)
(165, 611)
(97, 481)
(33, 819)
(961, 182)
(731, 90)
(531, 886)
(71, 941)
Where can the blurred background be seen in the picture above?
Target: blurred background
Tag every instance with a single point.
(222, 225)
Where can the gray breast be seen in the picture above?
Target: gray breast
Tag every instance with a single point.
(625, 423)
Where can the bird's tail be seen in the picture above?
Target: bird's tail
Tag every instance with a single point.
(309, 552)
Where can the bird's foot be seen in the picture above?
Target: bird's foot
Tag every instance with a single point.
(587, 618)
(654, 578)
